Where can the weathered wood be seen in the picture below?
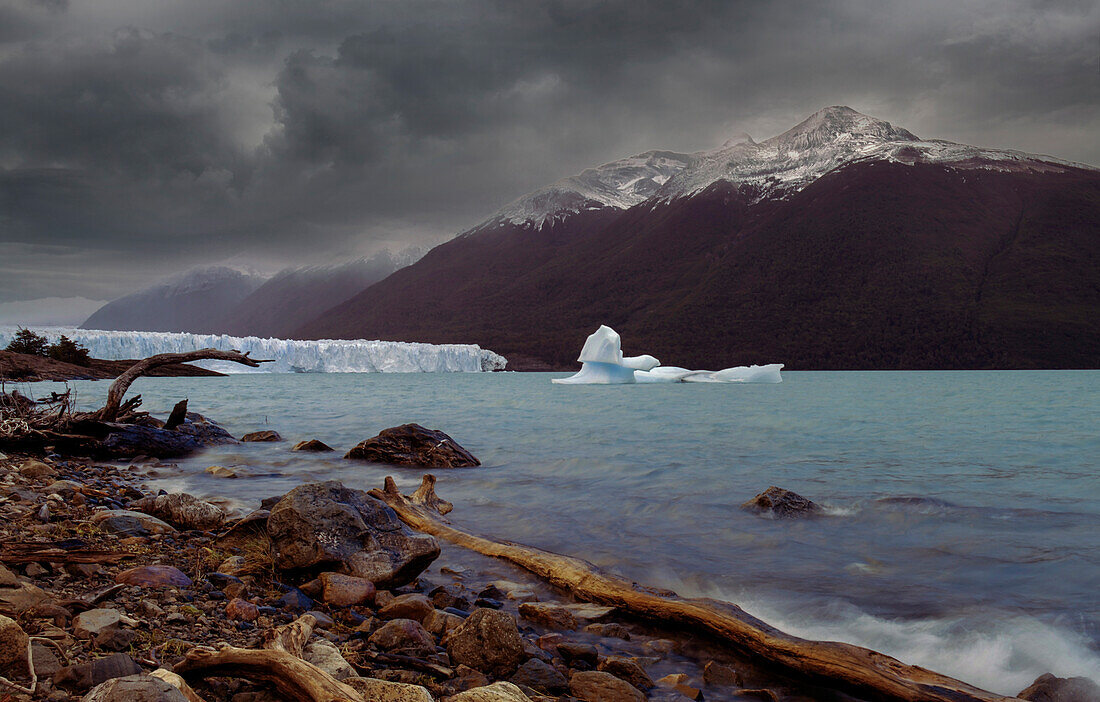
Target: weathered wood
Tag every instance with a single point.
(277, 664)
(177, 682)
(838, 665)
(118, 389)
(179, 413)
(55, 552)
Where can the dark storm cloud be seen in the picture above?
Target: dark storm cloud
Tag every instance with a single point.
(157, 136)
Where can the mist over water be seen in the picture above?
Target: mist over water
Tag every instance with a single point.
(963, 527)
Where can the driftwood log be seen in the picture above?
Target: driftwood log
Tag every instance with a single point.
(832, 664)
(278, 663)
(117, 391)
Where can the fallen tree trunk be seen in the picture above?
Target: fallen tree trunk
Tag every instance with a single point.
(838, 665)
(118, 389)
(278, 664)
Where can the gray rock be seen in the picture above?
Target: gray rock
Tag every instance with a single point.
(327, 524)
(130, 440)
(487, 641)
(324, 654)
(626, 669)
(46, 662)
(80, 677)
(598, 686)
(781, 503)
(90, 624)
(134, 688)
(413, 445)
(182, 511)
(130, 523)
(1048, 688)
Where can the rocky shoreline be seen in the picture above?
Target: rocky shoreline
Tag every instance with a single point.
(26, 368)
(117, 585)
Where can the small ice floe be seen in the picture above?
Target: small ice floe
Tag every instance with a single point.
(603, 363)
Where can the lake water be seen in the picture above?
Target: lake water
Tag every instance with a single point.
(988, 569)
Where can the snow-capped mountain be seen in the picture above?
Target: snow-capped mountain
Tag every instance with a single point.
(845, 242)
(828, 139)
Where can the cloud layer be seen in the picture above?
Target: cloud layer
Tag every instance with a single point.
(138, 138)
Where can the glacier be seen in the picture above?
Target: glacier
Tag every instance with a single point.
(603, 363)
(290, 355)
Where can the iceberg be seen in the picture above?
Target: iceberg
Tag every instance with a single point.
(603, 363)
(290, 355)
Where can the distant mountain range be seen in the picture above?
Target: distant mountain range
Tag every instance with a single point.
(225, 300)
(845, 242)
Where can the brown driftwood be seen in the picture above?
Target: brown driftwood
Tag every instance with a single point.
(838, 665)
(278, 664)
(55, 552)
(115, 393)
(177, 682)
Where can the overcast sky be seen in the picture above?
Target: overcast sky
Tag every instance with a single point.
(140, 137)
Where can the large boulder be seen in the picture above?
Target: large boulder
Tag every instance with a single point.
(487, 641)
(413, 445)
(777, 502)
(326, 526)
(182, 511)
(127, 440)
(1048, 688)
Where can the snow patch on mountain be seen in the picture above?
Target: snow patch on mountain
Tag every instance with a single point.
(290, 355)
(827, 140)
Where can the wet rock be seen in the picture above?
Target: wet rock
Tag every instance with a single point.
(135, 688)
(1048, 688)
(718, 674)
(679, 683)
(781, 503)
(324, 654)
(497, 692)
(617, 631)
(541, 677)
(575, 652)
(626, 669)
(313, 446)
(132, 440)
(413, 445)
(90, 624)
(154, 576)
(220, 472)
(265, 435)
(345, 590)
(241, 610)
(403, 635)
(549, 615)
(36, 469)
(386, 691)
(129, 523)
(326, 524)
(659, 647)
(412, 606)
(13, 650)
(488, 641)
(597, 686)
(442, 597)
(77, 678)
(588, 612)
(182, 511)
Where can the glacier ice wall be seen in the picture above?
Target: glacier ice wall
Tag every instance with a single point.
(603, 363)
(291, 356)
